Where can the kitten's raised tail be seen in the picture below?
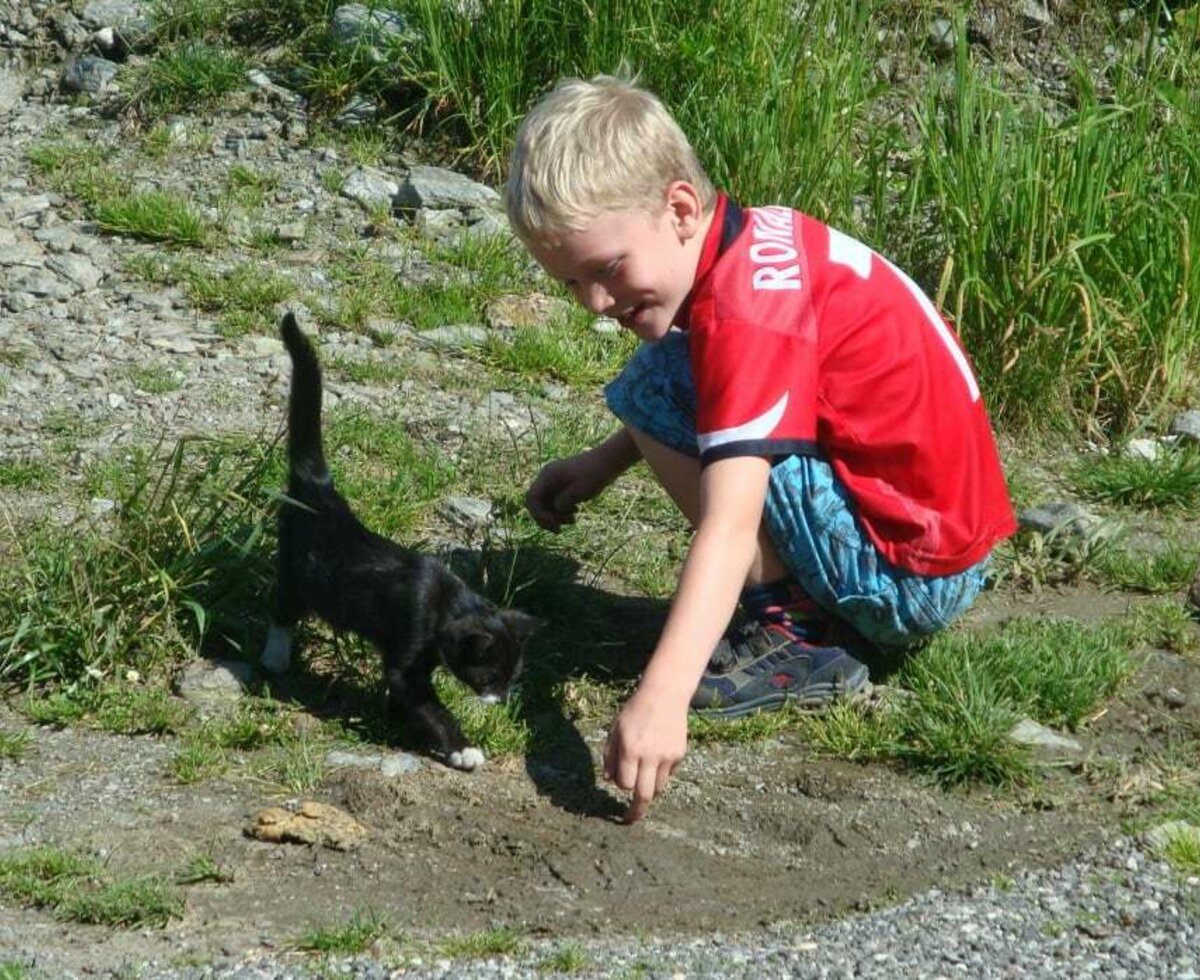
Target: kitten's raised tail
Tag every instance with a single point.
(305, 455)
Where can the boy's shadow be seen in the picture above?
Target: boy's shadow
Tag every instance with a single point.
(593, 641)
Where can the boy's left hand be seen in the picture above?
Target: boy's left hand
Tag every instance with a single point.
(647, 742)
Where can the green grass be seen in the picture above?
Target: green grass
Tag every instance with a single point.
(78, 888)
(1169, 570)
(243, 294)
(966, 690)
(202, 868)
(154, 216)
(1182, 851)
(154, 379)
(194, 76)
(14, 745)
(182, 571)
(122, 709)
(33, 474)
(1170, 482)
(571, 957)
(498, 941)
(357, 935)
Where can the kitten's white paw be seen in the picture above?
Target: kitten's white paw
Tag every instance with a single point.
(277, 651)
(469, 759)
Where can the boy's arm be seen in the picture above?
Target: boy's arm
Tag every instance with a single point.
(650, 734)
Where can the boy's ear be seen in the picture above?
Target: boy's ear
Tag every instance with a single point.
(687, 210)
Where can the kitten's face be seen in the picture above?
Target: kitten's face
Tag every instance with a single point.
(486, 651)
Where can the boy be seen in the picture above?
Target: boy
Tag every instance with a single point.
(812, 416)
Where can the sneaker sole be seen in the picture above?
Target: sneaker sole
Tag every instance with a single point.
(813, 698)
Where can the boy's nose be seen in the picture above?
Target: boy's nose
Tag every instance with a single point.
(595, 298)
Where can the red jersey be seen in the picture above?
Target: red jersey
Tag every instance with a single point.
(805, 341)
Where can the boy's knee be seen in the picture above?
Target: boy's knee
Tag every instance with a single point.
(654, 394)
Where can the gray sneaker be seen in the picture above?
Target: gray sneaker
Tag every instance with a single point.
(762, 668)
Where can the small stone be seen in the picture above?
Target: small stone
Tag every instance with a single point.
(456, 335)
(1147, 449)
(1044, 741)
(1186, 426)
(88, 74)
(312, 823)
(470, 511)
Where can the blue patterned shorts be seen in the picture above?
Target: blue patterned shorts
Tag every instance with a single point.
(808, 513)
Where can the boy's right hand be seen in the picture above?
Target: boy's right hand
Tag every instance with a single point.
(561, 486)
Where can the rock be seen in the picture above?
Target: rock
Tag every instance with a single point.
(88, 74)
(456, 335)
(470, 511)
(436, 187)
(357, 112)
(390, 765)
(1147, 449)
(513, 312)
(941, 37)
(1186, 427)
(375, 29)
(212, 685)
(78, 269)
(370, 187)
(131, 19)
(1046, 743)
(1035, 13)
(12, 86)
(314, 823)
(1068, 527)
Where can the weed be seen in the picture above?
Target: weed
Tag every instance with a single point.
(1168, 570)
(1170, 481)
(183, 568)
(154, 379)
(193, 75)
(498, 729)
(1182, 851)
(14, 745)
(156, 216)
(357, 935)
(203, 868)
(123, 709)
(198, 760)
(500, 941)
(569, 958)
(78, 889)
(369, 371)
(33, 474)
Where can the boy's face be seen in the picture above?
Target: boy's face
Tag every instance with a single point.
(634, 266)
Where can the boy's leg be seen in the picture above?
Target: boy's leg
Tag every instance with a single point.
(770, 659)
(679, 475)
(811, 519)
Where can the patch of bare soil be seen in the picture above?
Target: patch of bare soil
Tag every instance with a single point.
(746, 836)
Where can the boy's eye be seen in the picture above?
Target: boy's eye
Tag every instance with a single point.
(609, 270)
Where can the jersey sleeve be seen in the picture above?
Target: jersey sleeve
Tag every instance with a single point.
(755, 391)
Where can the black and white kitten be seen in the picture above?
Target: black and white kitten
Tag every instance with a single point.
(409, 605)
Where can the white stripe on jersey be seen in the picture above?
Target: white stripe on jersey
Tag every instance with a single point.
(757, 428)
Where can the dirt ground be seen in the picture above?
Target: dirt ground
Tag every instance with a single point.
(746, 837)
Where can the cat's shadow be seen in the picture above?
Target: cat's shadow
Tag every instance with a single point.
(594, 641)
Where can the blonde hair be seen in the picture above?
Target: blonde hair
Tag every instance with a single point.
(591, 146)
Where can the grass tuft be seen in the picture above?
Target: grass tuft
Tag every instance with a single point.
(364, 928)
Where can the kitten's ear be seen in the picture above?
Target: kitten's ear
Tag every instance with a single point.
(468, 627)
(520, 624)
